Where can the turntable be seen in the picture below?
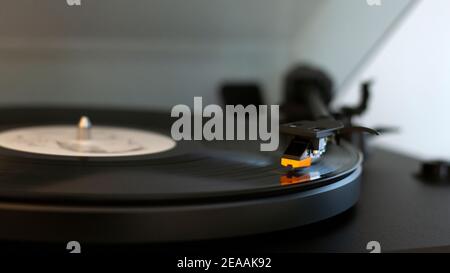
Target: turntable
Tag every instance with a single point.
(111, 175)
(116, 176)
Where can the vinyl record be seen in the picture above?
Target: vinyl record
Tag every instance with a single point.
(135, 191)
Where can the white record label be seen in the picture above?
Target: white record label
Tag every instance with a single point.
(103, 141)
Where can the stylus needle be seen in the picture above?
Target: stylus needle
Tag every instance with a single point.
(84, 128)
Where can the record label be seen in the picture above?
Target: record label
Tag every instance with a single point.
(103, 141)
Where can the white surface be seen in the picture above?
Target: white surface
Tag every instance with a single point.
(412, 84)
(104, 142)
(342, 32)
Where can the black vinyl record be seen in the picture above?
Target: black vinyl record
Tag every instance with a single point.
(206, 189)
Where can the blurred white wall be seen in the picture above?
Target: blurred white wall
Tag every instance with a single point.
(141, 53)
(412, 83)
(157, 53)
(342, 33)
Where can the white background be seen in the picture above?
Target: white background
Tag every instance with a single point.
(412, 83)
(158, 53)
